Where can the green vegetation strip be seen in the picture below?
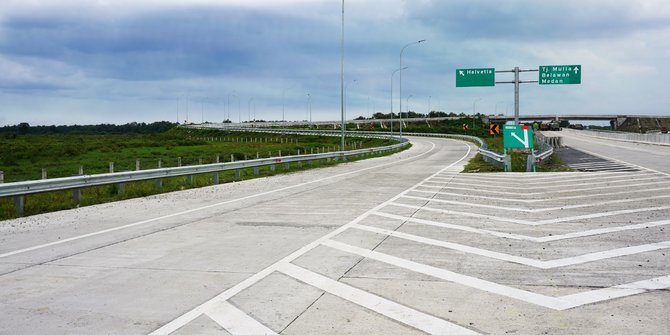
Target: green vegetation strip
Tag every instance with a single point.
(24, 158)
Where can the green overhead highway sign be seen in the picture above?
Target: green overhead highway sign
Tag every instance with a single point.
(517, 136)
(475, 77)
(560, 74)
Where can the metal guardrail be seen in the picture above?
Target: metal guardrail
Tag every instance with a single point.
(19, 190)
(501, 160)
(546, 149)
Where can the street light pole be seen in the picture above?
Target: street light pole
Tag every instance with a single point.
(309, 107)
(342, 79)
(400, 90)
(392, 74)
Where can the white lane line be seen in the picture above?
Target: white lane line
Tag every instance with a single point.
(561, 181)
(236, 322)
(537, 210)
(385, 307)
(579, 234)
(75, 238)
(600, 195)
(555, 303)
(533, 223)
(619, 291)
(567, 190)
(567, 261)
(530, 188)
(476, 283)
(224, 296)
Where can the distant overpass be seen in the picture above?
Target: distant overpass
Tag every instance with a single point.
(615, 120)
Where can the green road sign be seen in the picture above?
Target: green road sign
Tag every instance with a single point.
(517, 136)
(560, 74)
(475, 77)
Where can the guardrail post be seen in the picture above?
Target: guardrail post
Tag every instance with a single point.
(44, 173)
(76, 193)
(238, 174)
(2, 177)
(20, 204)
(159, 182)
(178, 161)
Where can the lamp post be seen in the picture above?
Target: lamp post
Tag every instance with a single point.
(342, 79)
(400, 90)
(474, 111)
(429, 97)
(392, 74)
(309, 108)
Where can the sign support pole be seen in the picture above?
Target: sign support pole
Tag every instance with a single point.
(516, 95)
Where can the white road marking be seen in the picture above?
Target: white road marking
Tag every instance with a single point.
(526, 187)
(105, 231)
(555, 303)
(534, 223)
(537, 210)
(567, 261)
(224, 296)
(389, 309)
(586, 233)
(563, 180)
(460, 195)
(529, 194)
(236, 322)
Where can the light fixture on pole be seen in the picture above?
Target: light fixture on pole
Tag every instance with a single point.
(400, 90)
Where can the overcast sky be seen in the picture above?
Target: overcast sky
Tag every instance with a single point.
(119, 61)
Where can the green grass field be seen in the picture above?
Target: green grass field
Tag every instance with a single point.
(24, 157)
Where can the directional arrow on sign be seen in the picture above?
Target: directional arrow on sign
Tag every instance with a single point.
(525, 136)
(461, 72)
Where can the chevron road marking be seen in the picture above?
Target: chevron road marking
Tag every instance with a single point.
(534, 223)
(649, 190)
(555, 303)
(390, 309)
(543, 187)
(552, 238)
(536, 210)
(236, 322)
(569, 190)
(562, 181)
(581, 259)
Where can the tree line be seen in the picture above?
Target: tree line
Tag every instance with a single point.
(24, 128)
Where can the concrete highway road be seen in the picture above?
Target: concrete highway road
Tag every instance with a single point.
(403, 244)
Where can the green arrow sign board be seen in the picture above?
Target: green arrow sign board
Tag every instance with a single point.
(475, 77)
(517, 136)
(560, 74)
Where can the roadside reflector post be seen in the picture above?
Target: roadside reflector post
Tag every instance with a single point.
(76, 193)
(44, 173)
(159, 182)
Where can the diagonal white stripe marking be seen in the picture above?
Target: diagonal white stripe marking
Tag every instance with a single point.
(235, 321)
(591, 257)
(511, 236)
(476, 283)
(599, 195)
(556, 303)
(532, 188)
(534, 223)
(562, 180)
(528, 194)
(537, 210)
(390, 309)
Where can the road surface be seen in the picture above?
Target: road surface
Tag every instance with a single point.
(403, 244)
